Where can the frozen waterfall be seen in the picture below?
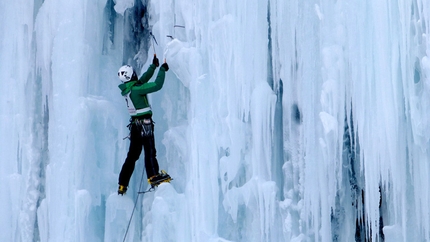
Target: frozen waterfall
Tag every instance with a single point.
(295, 120)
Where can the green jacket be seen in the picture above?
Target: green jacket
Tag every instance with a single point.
(135, 91)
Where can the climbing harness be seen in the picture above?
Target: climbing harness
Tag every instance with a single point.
(146, 127)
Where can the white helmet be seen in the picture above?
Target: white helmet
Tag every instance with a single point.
(126, 73)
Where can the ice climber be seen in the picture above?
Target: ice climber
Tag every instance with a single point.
(141, 126)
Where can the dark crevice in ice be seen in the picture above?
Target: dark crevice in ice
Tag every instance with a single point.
(39, 127)
(278, 139)
(270, 79)
(136, 35)
(296, 116)
(352, 192)
(109, 16)
(278, 144)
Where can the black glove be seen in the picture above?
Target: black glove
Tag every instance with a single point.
(166, 67)
(155, 61)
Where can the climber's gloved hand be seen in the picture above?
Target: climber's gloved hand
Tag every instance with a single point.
(155, 61)
(165, 66)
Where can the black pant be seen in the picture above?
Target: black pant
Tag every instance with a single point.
(140, 135)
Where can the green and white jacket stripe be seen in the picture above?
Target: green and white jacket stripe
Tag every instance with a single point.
(135, 91)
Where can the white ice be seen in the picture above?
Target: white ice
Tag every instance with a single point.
(278, 120)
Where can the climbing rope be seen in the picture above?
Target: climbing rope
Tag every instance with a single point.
(149, 190)
(135, 203)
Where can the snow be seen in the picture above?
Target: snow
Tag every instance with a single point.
(278, 120)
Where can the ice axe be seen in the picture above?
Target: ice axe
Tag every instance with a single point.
(175, 26)
(154, 41)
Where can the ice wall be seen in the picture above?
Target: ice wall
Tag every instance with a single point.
(357, 70)
(278, 120)
(15, 148)
(57, 120)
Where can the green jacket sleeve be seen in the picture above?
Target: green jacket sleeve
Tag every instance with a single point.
(148, 74)
(151, 86)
